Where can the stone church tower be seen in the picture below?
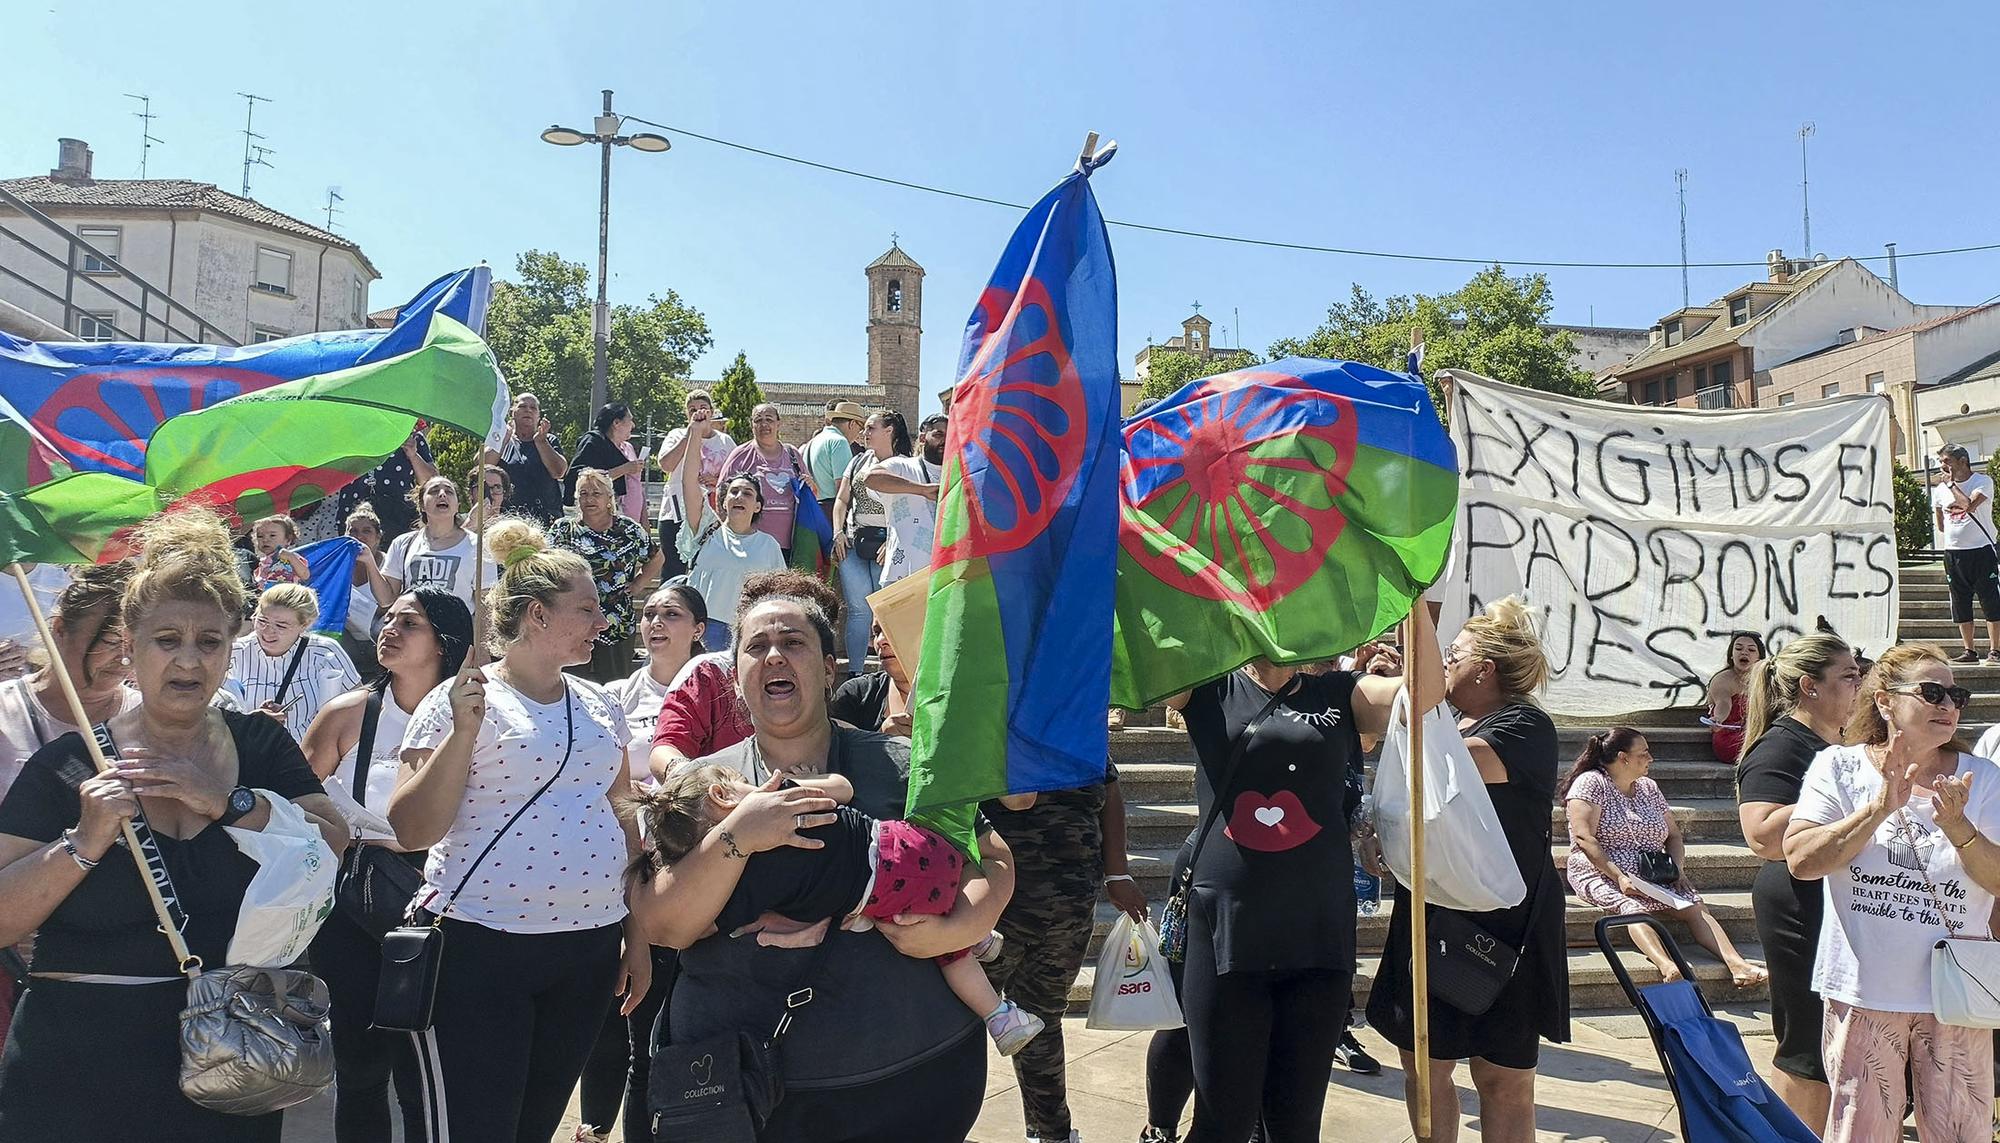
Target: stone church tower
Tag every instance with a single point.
(895, 330)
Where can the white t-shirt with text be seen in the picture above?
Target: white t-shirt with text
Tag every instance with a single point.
(414, 559)
(1965, 530)
(1875, 943)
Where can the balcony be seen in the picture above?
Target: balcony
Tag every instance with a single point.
(1716, 397)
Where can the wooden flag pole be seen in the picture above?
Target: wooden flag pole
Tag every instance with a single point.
(476, 657)
(1420, 1006)
(98, 762)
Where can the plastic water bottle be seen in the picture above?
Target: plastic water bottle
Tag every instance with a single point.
(1367, 886)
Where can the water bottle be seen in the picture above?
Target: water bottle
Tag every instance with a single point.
(1367, 886)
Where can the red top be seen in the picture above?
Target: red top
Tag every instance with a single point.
(703, 714)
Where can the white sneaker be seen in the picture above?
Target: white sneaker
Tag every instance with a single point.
(1012, 1027)
(1073, 1138)
(989, 949)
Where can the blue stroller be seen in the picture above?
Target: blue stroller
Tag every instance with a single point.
(1716, 1088)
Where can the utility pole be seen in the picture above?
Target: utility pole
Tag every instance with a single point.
(146, 139)
(249, 138)
(1681, 184)
(1806, 131)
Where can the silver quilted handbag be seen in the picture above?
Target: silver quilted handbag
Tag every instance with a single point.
(255, 1040)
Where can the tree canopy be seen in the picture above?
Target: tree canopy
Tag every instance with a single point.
(1169, 369)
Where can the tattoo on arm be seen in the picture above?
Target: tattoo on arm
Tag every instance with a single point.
(729, 847)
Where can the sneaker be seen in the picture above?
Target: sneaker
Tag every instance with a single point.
(1012, 1027)
(1072, 1137)
(1153, 1134)
(1993, 657)
(1968, 655)
(584, 1134)
(1113, 720)
(988, 950)
(1350, 1054)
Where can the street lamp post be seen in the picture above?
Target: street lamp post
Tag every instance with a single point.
(604, 132)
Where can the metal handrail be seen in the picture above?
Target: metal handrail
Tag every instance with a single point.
(206, 332)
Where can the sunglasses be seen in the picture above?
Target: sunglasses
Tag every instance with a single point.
(495, 490)
(1935, 693)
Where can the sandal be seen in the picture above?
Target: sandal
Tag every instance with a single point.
(1752, 979)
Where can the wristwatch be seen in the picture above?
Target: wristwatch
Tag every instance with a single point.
(242, 800)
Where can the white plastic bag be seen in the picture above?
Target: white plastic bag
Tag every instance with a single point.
(1467, 863)
(1132, 991)
(292, 891)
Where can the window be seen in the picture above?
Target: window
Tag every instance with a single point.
(1786, 399)
(1739, 310)
(1830, 389)
(1724, 373)
(1673, 387)
(97, 326)
(274, 271)
(1652, 392)
(1673, 333)
(895, 296)
(260, 334)
(109, 239)
(360, 303)
(1876, 384)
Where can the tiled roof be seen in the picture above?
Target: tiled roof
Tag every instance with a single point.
(895, 257)
(1718, 333)
(165, 194)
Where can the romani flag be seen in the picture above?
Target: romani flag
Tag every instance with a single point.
(1013, 679)
(97, 436)
(1291, 511)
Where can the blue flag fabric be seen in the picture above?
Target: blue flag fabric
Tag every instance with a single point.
(1014, 676)
(812, 532)
(330, 574)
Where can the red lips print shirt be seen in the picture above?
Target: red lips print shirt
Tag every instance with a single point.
(1274, 882)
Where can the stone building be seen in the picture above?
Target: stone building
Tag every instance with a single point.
(1194, 341)
(895, 353)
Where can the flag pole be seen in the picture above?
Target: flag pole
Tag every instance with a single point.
(1420, 1008)
(477, 655)
(98, 762)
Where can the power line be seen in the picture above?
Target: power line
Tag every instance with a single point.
(1276, 244)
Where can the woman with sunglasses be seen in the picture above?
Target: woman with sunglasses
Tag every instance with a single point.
(1902, 826)
(495, 486)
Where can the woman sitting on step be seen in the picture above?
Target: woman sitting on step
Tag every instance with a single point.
(1626, 853)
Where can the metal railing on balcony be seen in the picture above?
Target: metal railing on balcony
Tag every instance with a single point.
(1716, 397)
(43, 239)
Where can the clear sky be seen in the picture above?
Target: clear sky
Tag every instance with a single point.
(1492, 131)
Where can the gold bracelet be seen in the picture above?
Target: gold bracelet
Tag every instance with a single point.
(1967, 841)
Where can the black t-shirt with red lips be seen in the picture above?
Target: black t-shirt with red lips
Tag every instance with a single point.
(1274, 881)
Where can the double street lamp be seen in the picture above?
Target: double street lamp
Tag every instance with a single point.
(604, 132)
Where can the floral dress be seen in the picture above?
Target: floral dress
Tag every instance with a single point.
(616, 560)
(1626, 826)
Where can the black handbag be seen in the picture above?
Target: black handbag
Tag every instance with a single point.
(723, 1089)
(413, 952)
(868, 541)
(1658, 866)
(1469, 967)
(376, 884)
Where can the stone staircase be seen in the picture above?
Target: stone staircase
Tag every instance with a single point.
(1156, 771)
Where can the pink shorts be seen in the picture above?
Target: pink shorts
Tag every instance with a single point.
(916, 871)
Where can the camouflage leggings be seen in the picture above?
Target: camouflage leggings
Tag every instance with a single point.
(1046, 940)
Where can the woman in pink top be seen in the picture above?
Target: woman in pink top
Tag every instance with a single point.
(774, 463)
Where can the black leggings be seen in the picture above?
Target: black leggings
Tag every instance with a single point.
(515, 1019)
(622, 1060)
(1260, 1041)
(938, 1099)
(364, 1057)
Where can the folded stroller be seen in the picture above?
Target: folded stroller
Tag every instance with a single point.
(1720, 1096)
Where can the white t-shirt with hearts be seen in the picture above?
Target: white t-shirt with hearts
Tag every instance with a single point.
(1875, 943)
(561, 865)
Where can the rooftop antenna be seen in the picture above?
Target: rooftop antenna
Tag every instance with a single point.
(1681, 185)
(333, 196)
(1236, 319)
(249, 137)
(146, 139)
(1806, 131)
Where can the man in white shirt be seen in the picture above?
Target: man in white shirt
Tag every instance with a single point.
(1962, 509)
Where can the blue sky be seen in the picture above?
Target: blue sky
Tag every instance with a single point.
(1463, 129)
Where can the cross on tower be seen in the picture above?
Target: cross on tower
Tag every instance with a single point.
(894, 237)
(1197, 307)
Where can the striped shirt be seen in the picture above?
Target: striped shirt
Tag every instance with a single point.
(324, 672)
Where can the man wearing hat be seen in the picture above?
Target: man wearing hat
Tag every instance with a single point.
(828, 452)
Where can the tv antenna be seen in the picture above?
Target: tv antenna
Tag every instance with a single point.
(250, 137)
(1806, 131)
(146, 138)
(1681, 184)
(333, 196)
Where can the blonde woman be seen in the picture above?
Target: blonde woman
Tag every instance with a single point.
(285, 668)
(1901, 825)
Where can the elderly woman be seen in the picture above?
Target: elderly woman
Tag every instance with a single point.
(1903, 807)
(884, 1051)
(721, 551)
(622, 562)
(438, 554)
(1616, 813)
(1800, 700)
(511, 777)
(1492, 671)
(106, 986)
(772, 463)
(356, 744)
(861, 529)
(283, 667)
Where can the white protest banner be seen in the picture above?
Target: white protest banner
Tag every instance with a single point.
(1644, 537)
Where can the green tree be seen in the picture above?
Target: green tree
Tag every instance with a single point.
(539, 327)
(1913, 514)
(1492, 325)
(1168, 370)
(736, 395)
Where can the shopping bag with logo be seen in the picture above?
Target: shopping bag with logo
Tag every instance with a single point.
(292, 891)
(1132, 991)
(1467, 863)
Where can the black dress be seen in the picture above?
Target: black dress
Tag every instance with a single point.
(1788, 911)
(102, 1061)
(1535, 1003)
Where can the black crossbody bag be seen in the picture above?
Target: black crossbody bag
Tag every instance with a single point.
(376, 883)
(1470, 966)
(412, 953)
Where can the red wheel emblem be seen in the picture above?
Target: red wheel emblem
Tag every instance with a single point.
(1234, 493)
(1018, 426)
(101, 419)
(245, 497)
